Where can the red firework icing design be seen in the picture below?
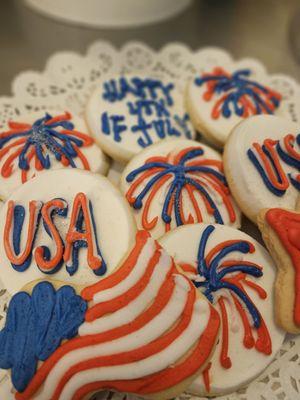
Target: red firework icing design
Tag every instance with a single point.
(27, 146)
(186, 171)
(212, 275)
(237, 93)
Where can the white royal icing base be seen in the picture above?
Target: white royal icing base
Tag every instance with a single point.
(245, 181)
(163, 149)
(182, 244)
(125, 149)
(114, 222)
(217, 130)
(98, 161)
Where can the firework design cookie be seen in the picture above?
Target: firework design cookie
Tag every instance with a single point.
(220, 98)
(142, 330)
(44, 141)
(262, 164)
(128, 113)
(178, 182)
(281, 232)
(237, 275)
(68, 224)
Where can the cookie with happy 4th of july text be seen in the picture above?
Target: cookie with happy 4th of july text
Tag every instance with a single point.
(128, 113)
(143, 330)
(221, 97)
(178, 182)
(41, 141)
(280, 230)
(68, 224)
(237, 275)
(262, 164)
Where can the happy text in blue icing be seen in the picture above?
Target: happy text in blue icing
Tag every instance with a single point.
(150, 109)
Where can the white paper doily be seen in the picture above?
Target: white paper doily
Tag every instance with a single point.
(67, 82)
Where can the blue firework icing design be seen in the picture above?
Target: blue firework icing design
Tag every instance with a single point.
(236, 93)
(32, 145)
(188, 170)
(222, 279)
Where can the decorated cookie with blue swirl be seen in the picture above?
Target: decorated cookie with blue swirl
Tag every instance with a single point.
(237, 275)
(42, 141)
(178, 182)
(221, 97)
(68, 224)
(127, 113)
(262, 164)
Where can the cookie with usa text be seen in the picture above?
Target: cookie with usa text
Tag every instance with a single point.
(69, 224)
(221, 97)
(143, 330)
(281, 233)
(178, 182)
(41, 141)
(237, 276)
(262, 164)
(128, 113)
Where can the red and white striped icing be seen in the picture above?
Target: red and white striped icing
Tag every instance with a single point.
(145, 331)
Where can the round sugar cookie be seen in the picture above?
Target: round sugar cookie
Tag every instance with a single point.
(128, 113)
(70, 225)
(237, 275)
(178, 182)
(41, 141)
(262, 164)
(127, 333)
(219, 98)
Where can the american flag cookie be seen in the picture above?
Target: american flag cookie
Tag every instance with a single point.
(127, 113)
(219, 98)
(262, 164)
(143, 330)
(37, 142)
(68, 224)
(178, 182)
(280, 230)
(237, 276)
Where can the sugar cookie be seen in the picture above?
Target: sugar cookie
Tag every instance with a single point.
(217, 100)
(143, 330)
(128, 113)
(237, 275)
(69, 224)
(40, 141)
(281, 232)
(262, 164)
(178, 182)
